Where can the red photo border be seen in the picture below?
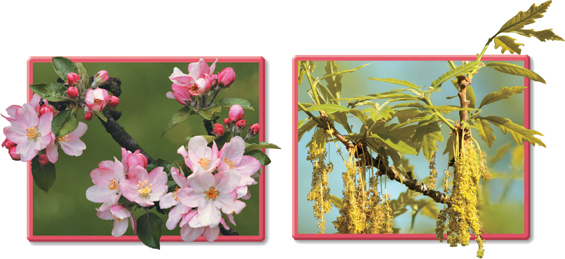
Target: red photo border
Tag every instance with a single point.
(297, 236)
(109, 238)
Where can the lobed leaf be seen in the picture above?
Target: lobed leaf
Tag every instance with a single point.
(512, 69)
(334, 82)
(328, 108)
(396, 81)
(507, 44)
(502, 94)
(343, 72)
(426, 134)
(395, 143)
(460, 70)
(524, 18)
(518, 133)
(485, 131)
(307, 126)
(542, 35)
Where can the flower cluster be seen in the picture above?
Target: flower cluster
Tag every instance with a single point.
(235, 124)
(30, 133)
(129, 179)
(218, 181)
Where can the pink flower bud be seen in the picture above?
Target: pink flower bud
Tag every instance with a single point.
(254, 129)
(114, 101)
(136, 158)
(8, 144)
(72, 92)
(45, 109)
(226, 77)
(13, 153)
(219, 130)
(101, 77)
(236, 113)
(43, 160)
(241, 124)
(96, 99)
(87, 115)
(72, 79)
(211, 80)
(227, 121)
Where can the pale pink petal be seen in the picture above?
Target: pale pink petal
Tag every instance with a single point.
(15, 135)
(12, 111)
(227, 182)
(80, 130)
(129, 190)
(158, 176)
(190, 218)
(44, 126)
(223, 222)
(179, 179)
(182, 151)
(189, 234)
(175, 215)
(204, 68)
(73, 147)
(125, 155)
(246, 196)
(168, 201)
(102, 176)
(170, 95)
(158, 191)
(120, 212)
(241, 191)
(99, 193)
(188, 198)
(27, 115)
(213, 67)
(120, 227)
(208, 214)
(176, 73)
(111, 201)
(201, 182)
(26, 150)
(34, 102)
(138, 173)
(197, 148)
(133, 223)
(52, 152)
(211, 233)
(229, 204)
(231, 219)
(105, 214)
(248, 166)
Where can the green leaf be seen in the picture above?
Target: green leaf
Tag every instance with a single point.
(180, 116)
(485, 131)
(524, 18)
(341, 118)
(512, 69)
(261, 145)
(540, 35)
(101, 115)
(430, 209)
(336, 201)
(460, 70)
(449, 147)
(159, 162)
(149, 229)
(426, 135)
(342, 72)
(395, 143)
(210, 112)
(43, 176)
(407, 114)
(63, 66)
(328, 108)
(228, 102)
(64, 123)
(500, 153)
(262, 157)
(384, 112)
(54, 92)
(470, 96)
(334, 82)
(443, 108)
(359, 114)
(306, 127)
(502, 94)
(83, 75)
(300, 122)
(518, 133)
(396, 81)
(301, 72)
(507, 43)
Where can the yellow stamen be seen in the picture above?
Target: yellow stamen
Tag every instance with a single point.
(204, 162)
(144, 190)
(63, 138)
(229, 162)
(112, 185)
(175, 193)
(32, 133)
(212, 193)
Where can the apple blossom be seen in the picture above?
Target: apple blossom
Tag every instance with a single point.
(130, 159)
(34, 103)
(120, 216)
(143, 188)
(70, 143)
(236, 113)
(170, 199)
(72, 92)
(30, 133)
(189, 233)
(114, 101)
(219, 130)
(106, 178)
(212, 194)
(96, 99)
(72, 79)
(200, 155)
(232, 158)
(226, 77)
(241, 124)
(253, 130)
(100, 77)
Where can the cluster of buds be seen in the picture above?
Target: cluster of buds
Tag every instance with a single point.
(200, 86)
(235, 124)
(11, 146)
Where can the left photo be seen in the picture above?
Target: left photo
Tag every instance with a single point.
(143, 149)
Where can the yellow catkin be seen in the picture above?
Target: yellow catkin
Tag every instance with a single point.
(433, 172)
(462, 212)
(320, 192)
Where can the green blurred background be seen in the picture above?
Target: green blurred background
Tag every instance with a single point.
(145, 112)
(502, 210)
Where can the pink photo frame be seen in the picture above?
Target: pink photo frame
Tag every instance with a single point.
(165, 238)
(295, 218)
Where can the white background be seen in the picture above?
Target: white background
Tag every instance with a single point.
(278, 31)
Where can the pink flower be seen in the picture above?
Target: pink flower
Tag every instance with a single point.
(226, 77)
(200, 155)
(143, 188)
(130, 159)
(241, 124)
(189, 233)
(233, 159)
(101, 77)
(72, 79)
(254, 130)
(198, 69)
(198, 81)
(72, 92)
(236, 113)
(70, 143)
(30, 133)
(114, 101)
(12, 110)
(219, 130)
(96, 99)
(212, 193)
(227, 121)
(171, 199)
(120, 216)
(106, 178)
(12, 151)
